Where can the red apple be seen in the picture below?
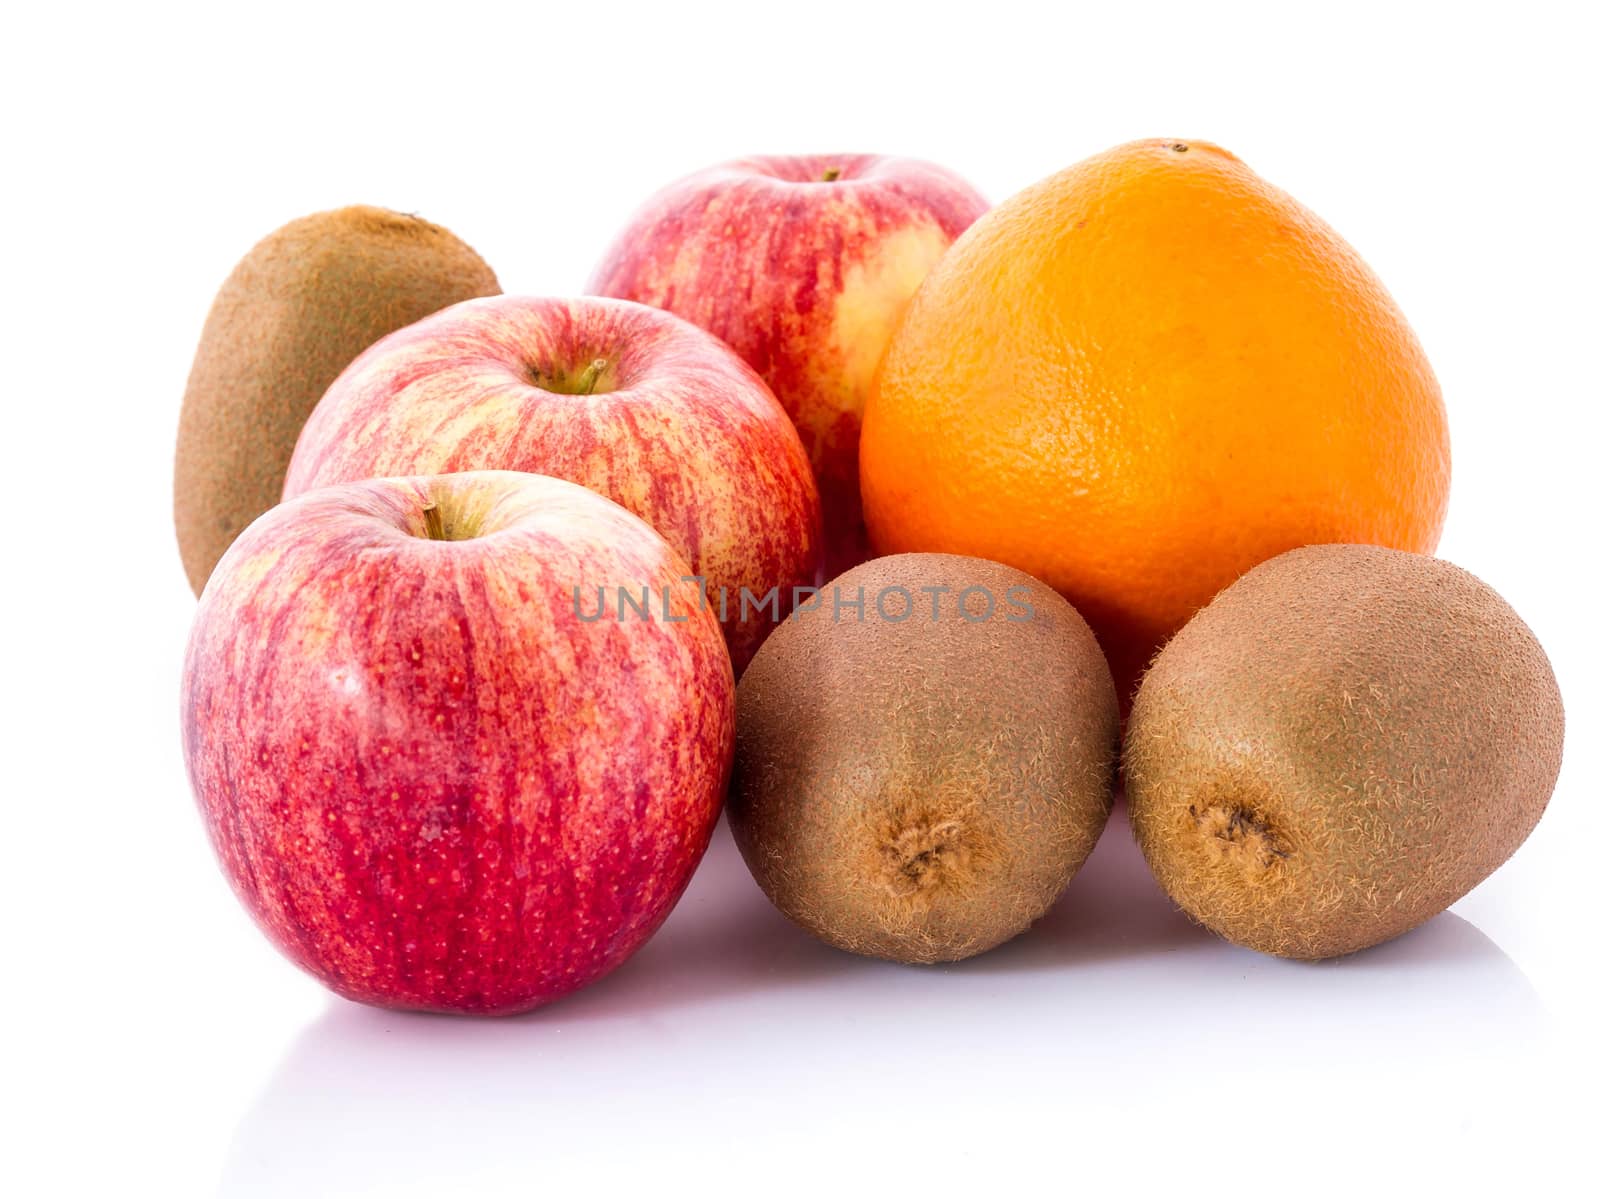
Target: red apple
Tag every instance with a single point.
(804, 266)
(434, 779)
(629, 401)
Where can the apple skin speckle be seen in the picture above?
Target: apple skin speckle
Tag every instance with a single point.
(431, 784)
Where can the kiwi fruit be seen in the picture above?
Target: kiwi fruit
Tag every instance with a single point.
(1341, 745)
(925, 756)
(293, 314)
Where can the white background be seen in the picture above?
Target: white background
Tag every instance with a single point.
(155, 1044)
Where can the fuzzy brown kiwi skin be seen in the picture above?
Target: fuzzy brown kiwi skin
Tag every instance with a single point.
(1340, 746)
(294, 313)
(923, 790)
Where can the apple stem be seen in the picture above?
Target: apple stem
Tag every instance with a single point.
(433, 522)
(829, 175)
(591, 376)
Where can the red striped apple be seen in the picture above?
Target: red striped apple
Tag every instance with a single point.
(433, 777)
(629, 401)
(804, 266)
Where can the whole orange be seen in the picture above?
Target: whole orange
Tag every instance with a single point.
(1141, 377)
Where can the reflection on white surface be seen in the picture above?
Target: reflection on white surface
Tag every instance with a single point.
(734, 1047)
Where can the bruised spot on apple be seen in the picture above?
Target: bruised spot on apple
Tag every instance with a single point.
(804, 266)
(432, 783)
